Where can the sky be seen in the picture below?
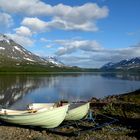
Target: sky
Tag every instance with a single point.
(84, 33)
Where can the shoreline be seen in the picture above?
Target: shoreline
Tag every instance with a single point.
(63, 72)
(124, 107)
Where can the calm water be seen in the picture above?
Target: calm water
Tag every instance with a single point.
(16, 91)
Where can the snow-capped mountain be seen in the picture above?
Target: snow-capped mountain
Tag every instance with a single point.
(108, 65)
(123, 64)
(54, 61)
(10, 51)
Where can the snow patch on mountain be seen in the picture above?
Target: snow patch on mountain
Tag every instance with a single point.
(17, 48)
(109, 64)
(29, 59)
(54, 61)
(2, 48)
(4, 38)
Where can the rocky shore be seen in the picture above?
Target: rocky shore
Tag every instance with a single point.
(124, 107)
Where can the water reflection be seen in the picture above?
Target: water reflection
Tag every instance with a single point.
(124, 76)
(13, 88)
(20, 90)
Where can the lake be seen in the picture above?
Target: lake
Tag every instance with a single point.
(16, 91)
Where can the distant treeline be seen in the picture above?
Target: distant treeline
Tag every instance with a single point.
(43, 68)
(40, 68)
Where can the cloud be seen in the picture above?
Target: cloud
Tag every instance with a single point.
(115, 55)
(58, 23)
(85, 61)
(37, 7)
(77, 18)
(22, 40)
(92, 54)
(35, 24)
(71, 46)
(43, 39)
(22, 35)
(23, 31)
(5, 20)
(48, 46)
(133, 33)
(28, 7)
(83, 17)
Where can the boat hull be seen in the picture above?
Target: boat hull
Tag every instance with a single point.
(46, 119)
(77, 113)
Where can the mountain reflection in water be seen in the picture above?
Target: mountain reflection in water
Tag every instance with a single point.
(16, 91)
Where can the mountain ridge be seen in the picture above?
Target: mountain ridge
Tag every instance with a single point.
(10, 51)
(126, 64)
(15, 58)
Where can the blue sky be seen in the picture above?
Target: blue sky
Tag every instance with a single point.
(85, 33)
